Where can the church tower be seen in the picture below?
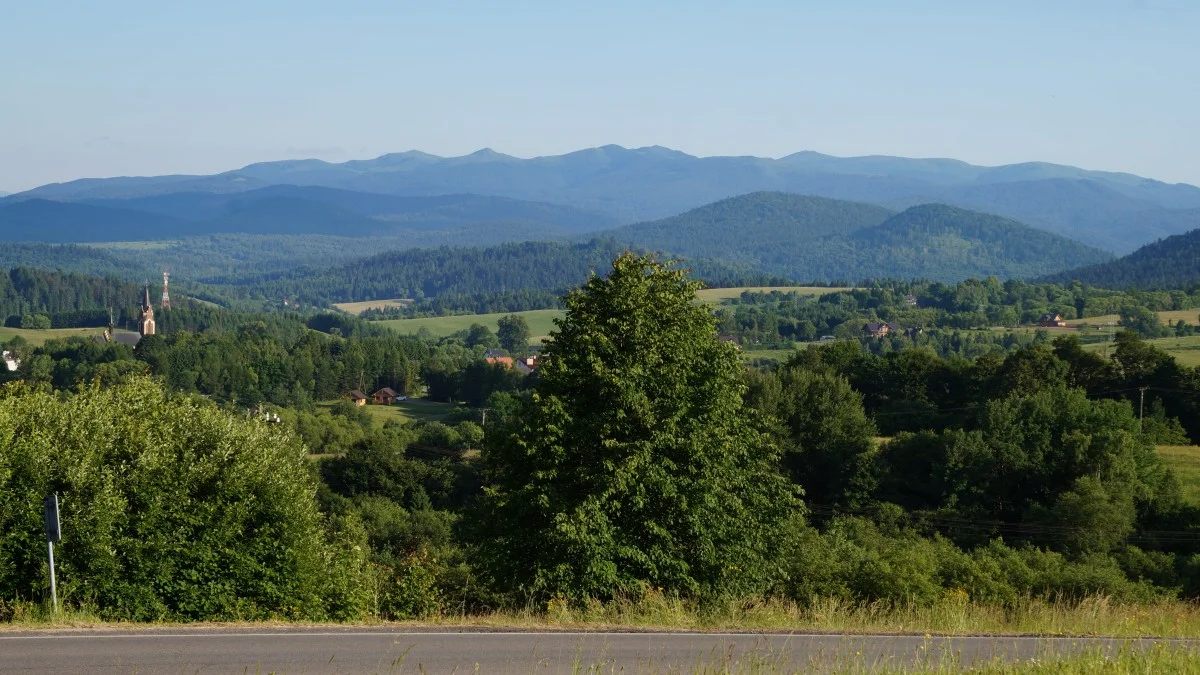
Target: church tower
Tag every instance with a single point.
(146, 325)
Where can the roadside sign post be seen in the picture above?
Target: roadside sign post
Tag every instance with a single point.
(53, 534)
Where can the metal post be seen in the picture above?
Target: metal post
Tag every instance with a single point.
(53, 582)
(53, 534)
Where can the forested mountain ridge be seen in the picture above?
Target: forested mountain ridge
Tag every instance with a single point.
(542, 269)
(803, 237)
(761, 221)
(944, 243)
(632, 185)
(1173, 262)
(284, 209)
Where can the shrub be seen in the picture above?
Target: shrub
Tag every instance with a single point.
(171, 509)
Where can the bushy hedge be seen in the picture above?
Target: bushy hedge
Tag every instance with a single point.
(171, 509)
(855, 559)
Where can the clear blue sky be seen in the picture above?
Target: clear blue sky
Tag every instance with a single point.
(148, 87)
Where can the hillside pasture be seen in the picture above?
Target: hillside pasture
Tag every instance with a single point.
(1169, 318)
(541, 322)
(357, 308)
(713, 295)
(39, 337)
(417, 410)
(1186, 350)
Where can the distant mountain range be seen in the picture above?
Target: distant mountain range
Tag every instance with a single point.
(1173, 263)
(283, 209)
(1115, 211)
(807, 238)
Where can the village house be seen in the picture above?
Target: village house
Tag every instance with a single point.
(1051, 321)
(503, 360)
(11, 362)
(357, 397)
(385, 396)
(910, 300)
(730, 339)
(877, 329)
(526, 365)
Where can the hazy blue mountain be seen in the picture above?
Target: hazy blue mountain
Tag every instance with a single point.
(412, 212)
(633, 185)
(1086, 210)
(813, 238)
(289, 209)
(66, 222)
(1173, 262)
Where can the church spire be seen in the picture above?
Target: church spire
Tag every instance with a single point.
(146, 324)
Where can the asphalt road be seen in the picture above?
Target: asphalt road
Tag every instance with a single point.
(359, 650)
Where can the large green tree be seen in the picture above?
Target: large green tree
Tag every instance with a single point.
(635, 464)
(513, 331)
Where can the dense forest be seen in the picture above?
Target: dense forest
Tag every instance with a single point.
(530, 267)
(65, 300)
(1173, 262)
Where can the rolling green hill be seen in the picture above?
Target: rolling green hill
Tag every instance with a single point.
(753, 227)
(813, 238)
(1173, 262)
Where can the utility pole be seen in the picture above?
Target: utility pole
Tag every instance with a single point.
(1142, 406)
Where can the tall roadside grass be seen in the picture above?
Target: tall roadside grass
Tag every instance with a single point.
(1096, 615)
(1092, 616)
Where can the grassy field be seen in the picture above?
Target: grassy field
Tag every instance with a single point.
(1170, 318)
(1186, 350)
(417, 409)
(719, 294)
(357, 308)
(541, 322)
(39, 337)
(778, 355)
(1184, 460)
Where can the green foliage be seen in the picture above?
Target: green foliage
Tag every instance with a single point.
(829, 438)
(1142, 321)
(514, 333)
(172, 510)
(635, 464)
(35, 322)
(857, 560)
(1073, 469)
